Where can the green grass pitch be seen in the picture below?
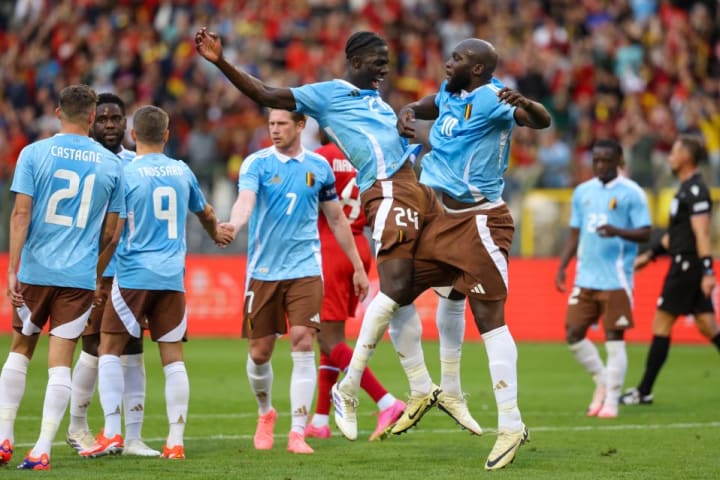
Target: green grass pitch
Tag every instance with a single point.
(677, 437)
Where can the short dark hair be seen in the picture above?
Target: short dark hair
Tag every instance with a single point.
(609, 143)
(695, 146)
(296, 117)
(360, 43)
(150, 123)
(111, 98)
(77, 102)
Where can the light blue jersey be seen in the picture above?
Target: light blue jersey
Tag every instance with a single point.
(283, 239)
(126, 156)
(470, 143)
(607, 263)
(361, 124)
(159, 193)
(73, 181)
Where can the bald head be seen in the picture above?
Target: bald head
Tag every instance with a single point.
(471, 64)
(480, 52)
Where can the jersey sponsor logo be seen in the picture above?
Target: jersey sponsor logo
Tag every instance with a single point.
(447, 126)
(622, 322)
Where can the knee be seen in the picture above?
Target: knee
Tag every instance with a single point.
(90, 344)
(574, 334)
(260, 355)
(134, 346)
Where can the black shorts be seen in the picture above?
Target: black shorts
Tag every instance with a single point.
(681, 293)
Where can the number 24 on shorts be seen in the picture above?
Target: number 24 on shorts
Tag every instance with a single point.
(403, 216)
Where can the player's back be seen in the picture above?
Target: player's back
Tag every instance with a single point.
(74, 181)
(159, 193)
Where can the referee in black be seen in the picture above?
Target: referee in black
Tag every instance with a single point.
(691, 277)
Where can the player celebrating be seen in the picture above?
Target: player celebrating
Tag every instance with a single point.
(340, 301)
(109, 130)
(148, 290)
(281, 189)
(474, 117)
(609, 217)
(362, 125)
(691, 278)
(65, 186)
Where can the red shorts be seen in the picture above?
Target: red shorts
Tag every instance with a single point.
(339, 301)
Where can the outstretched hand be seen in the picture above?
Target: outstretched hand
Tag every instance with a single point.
(208, 45)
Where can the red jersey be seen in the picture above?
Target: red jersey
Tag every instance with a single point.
(347, 190)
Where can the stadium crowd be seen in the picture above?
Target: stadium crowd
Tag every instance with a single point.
(638, 71)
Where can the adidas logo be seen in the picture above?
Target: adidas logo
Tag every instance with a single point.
(478, 289)
(622, 322)
(500, 385)
(315, 318)
(300, 412)
(137, 408)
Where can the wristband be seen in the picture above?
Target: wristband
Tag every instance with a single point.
(707, 264)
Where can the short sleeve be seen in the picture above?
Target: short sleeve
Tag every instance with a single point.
(313, 99)
(23, 177)
(576, 211)
(196, 201)
(639, 211)
(117, 197)
(699, 199)
(328, 191)
(249, 178)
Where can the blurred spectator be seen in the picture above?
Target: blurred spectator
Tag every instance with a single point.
(639, 71)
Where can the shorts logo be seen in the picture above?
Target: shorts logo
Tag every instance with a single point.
(315, 318)
(478, 289)
(622, 322)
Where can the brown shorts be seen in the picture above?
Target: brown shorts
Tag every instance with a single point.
(162, 312)
(68, 309)
(586, 306)
(93, 323)
(473, 243)
(268, 304)
(397, 209)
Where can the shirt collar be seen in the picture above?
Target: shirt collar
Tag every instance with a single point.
(284, 158)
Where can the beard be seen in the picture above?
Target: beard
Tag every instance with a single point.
(458, 81)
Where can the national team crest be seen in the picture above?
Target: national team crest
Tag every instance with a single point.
(613, 203)
(468, 110)
(310, 179)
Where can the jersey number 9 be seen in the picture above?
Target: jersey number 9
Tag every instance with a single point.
(165, 208)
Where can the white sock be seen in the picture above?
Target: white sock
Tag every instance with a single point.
(406, 335)
(177, 399)
(302, 388)
(320, 420)
(261, 380)
(12, 389)
(110, 387)
(451, 331)
(617, 363)
(374, 323)
(386, 401)
(587, 355)
(502, 359)
(57, 397)
(84, 378)
(134, 394)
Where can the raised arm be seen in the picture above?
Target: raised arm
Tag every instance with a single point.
(208, 45)
(528, 112)
(340, 227)
(423, 109)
